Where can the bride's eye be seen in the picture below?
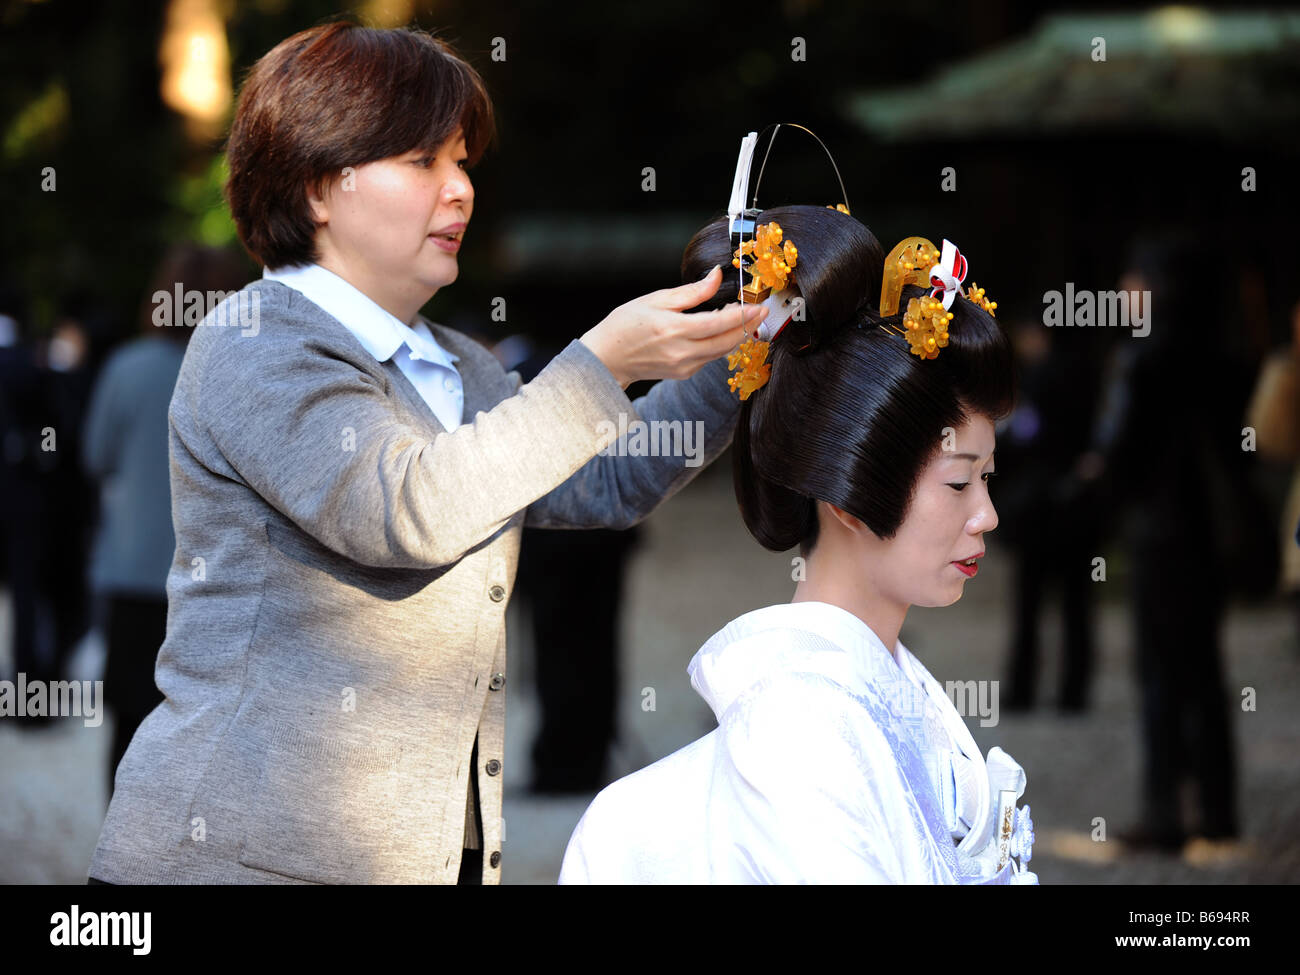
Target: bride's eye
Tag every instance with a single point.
(962, 487)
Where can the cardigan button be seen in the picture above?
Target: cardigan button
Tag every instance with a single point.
(495, 858)
(493, 767)
(497, 593)
(498, 681)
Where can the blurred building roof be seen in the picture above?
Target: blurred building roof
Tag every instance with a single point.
(568, 243)
(1170, 68)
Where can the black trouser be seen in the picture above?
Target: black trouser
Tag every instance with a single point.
(1065, 557)
(471, 861)
(574, 582)
(471, 868)
(135, 628)
(51, 605)
(1186, 712)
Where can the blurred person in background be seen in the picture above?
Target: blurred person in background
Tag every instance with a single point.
(1168, 443)
(21, 466)
(124, 448)
(1274, 415)
(50, 504)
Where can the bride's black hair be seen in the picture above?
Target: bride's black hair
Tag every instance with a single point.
(849, 414)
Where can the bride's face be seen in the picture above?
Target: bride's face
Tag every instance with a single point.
(946, 523)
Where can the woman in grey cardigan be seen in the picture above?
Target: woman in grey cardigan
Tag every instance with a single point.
(349, 482)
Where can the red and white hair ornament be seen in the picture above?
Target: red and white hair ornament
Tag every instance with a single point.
(947, 276)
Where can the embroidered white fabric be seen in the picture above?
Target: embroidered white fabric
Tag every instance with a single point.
(833, 762)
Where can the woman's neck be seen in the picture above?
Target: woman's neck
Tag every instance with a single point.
(830, 577)
(402, 304)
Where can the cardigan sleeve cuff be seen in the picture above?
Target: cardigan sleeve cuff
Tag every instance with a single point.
(590, 386)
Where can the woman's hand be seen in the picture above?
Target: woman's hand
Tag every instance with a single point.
(651, 338)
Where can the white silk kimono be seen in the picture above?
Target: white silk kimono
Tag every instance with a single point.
(833, 762)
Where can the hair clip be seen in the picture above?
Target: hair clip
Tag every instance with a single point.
(916, 261)
(908, 263)
(772, 260)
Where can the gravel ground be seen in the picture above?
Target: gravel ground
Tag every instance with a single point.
(696, 569)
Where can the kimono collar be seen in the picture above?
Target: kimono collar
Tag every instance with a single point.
(784, 638)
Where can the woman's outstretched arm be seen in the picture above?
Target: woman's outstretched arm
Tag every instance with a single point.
(319, 439)
(674, 432)
(288, 411)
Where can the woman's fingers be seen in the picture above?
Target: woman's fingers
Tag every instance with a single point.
(689, 295)
(722, 323)
(704, 326)
(719, 337)
(653, 337)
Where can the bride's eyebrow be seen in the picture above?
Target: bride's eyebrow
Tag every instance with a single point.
(992, 456)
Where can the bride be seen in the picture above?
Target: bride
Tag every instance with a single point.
(866, 438)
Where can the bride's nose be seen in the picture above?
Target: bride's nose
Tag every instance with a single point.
(984, 520)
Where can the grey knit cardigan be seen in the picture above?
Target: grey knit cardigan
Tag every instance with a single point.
(336, 603)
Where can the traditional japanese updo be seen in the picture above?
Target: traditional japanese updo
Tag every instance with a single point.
(849, 414)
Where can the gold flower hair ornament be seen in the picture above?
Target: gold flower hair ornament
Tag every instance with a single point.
(754, 369)
(925, 322)
(925, 325)
(772, 261)
(771, 264)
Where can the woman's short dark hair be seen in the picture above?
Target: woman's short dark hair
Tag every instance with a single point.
(849, 414)
(333, 96)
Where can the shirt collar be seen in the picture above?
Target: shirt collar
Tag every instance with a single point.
(378, 330)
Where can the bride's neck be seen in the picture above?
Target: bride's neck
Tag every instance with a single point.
(832, 576)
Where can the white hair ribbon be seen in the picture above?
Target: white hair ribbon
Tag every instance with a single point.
(947, 276)
(740, 182)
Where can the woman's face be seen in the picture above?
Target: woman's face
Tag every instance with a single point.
(382, 226)
(946, 522)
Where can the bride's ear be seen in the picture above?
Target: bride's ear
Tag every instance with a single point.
(849, 521)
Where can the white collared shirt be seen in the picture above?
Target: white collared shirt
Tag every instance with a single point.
(428, 366)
